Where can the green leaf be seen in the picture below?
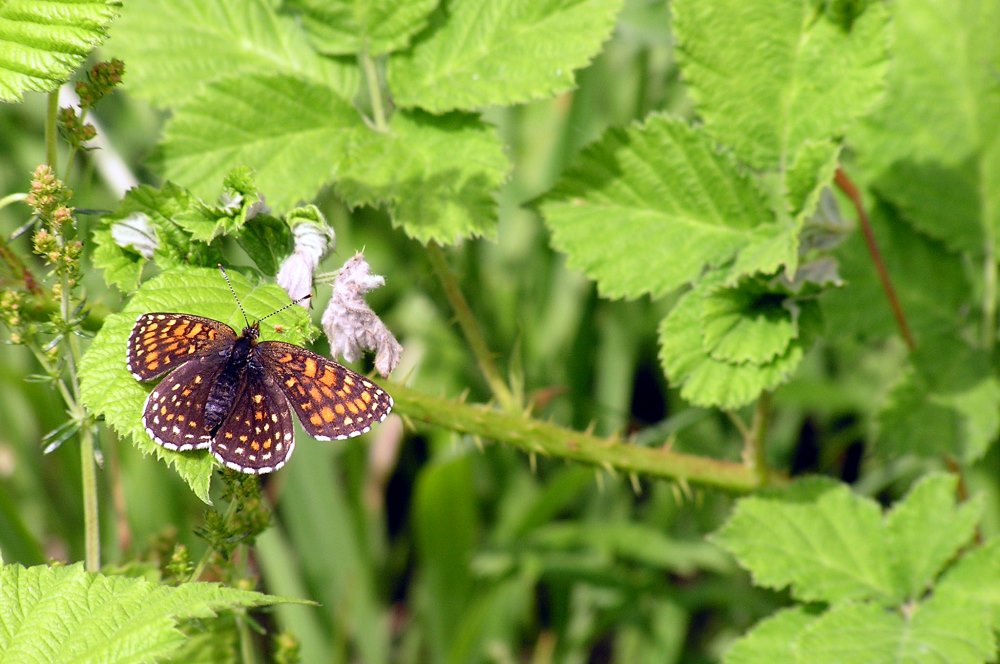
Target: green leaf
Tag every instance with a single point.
(975, 580)
(933, 147)
(294, 141)
(769, 76)
(809, 173)
(773, 639)
(122, 268)
(948, 403)
(63, 614)
(645, 209)
(436, 175)
(868, 633)
(477, 54)
(41, 43)
(107, 387)
(267, 241)
(698, 349)
(174, 47)
(926, 530)
(816, 537)
(373, 27)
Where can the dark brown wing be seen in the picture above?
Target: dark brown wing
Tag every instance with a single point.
(161, 342)
(174, 414)
(331, 400)
(258, 436)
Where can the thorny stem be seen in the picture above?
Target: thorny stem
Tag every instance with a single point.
(470, 327)
(753, 439)
(374, 92)
(847, 186)
(612, 454)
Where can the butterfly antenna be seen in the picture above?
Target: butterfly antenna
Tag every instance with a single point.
(290, 304)
(233, 291)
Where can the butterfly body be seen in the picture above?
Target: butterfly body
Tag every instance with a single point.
(231, 393)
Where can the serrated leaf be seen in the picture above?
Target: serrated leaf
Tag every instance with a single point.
(768, 249)
(121, 267)
(866, 632)
(815, 537)
(810, 171)
(477, 54)
(644, 210)
(174, 47)
(267, 241)
(708, 381)
(63, 614)
(374, 27)
(948, 403)
(933, 147)
(292, 132)
(773, 639)
(975, 580)
(746, 325)
(436, 175)
(926, 530)
(766, 77)
(107, 387)
(41, 43)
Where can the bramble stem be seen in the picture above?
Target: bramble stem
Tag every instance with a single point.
(847, 186)
(753, 439)
(543, 438)
(470, 327)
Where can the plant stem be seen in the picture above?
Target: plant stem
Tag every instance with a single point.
(374, 92)
(92, 562)
(543, 438)
(989, 333)
(753, 440)
(847, 186)
(470, 327)
(51, 135)
(226, 519)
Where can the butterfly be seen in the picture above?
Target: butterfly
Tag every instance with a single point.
(230, 393)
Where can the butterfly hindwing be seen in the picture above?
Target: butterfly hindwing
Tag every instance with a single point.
(174, 414)
(332, 401)
(161, 342)
(258, 436)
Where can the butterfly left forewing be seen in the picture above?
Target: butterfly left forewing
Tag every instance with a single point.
(161, 342)
(332, 401)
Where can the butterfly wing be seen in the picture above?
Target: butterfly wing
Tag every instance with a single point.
(161, 342)
(332, 401)
(174, 414)
(258, 436)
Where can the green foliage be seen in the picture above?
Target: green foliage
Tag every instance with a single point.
(346, 27)
(43, 42)
(63, 614)
(874, 573)
(109, 390)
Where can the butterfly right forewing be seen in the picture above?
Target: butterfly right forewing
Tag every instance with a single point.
(161, 342)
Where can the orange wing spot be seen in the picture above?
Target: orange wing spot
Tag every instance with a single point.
(351, 407)
(152, 365)
(307, 405)
(362, 406)
(290, 382)
(257, 398)
(327, 392)
(327, 414)
(149, 328)
(315, 395)
(166, 359)
(194, 331)
(192, 349)
(170, 417)
(310, 369)
(328, 378)
(172, 347)
(243, 439)
(229, 436)
(181, 418)
(366, 396)
(258, 415)
(163, 410)
(186, 393)
(315, 419)
(339, 407)
(255, 446)
(197, 379)
(301, 390)
(211, 333)
(348, 380)
(180, 330)
(267, 444)
(192, 424)
(286, 358)
(152, 356)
